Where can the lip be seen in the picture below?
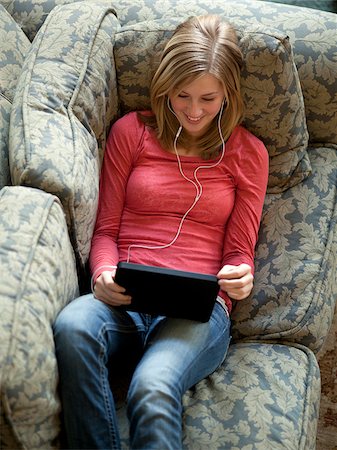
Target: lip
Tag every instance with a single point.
(193, 120)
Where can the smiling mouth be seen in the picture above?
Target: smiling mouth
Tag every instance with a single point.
(194, 119)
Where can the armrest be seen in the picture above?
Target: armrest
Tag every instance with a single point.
(37, 279)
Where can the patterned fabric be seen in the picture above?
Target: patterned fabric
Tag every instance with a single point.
(37, 279)
(30, 15)
(260, 384)
(264, 397)
(14, 46)
(313, 37)
(70, 72)
(296, 259)
(311, 34)
(327, 358)
(270, 86)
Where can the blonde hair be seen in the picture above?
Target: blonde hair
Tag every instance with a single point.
(200, 45)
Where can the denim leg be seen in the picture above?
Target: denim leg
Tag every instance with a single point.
(88, 335)
(178, 354)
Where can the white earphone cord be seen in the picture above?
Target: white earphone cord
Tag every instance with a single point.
(196, 183)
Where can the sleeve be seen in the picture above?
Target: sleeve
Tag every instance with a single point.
(251, 180)
(121, 148)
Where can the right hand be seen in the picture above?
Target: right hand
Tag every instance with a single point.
(106, 290)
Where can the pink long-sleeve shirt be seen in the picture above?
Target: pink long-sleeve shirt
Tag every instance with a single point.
(143, 197)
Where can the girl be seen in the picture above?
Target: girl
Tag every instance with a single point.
(182, 186)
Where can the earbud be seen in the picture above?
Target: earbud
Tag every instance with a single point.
(180, 127)
(170, 107)
(223, 104)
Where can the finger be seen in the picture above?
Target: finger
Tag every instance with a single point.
(240, 293)
(114, 300)
(233, 272)
(237, 283)
(109, 283)
(237, 289)
(111, 293)
(105, 287)
(110, 290)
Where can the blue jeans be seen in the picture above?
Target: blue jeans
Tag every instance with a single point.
(168, 356)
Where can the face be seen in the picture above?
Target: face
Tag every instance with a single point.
(197, 103)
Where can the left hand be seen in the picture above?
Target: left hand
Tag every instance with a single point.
(236, 281)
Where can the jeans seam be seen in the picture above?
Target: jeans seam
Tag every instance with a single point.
(223, 332)
(106, 388)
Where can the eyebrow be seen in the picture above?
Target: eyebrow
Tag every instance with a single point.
(202, 95)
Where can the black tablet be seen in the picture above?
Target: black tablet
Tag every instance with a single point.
(168, 292)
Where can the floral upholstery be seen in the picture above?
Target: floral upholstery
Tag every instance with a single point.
(312, 34)
(14, 45)
(38, 277)
(327, 357)
(296, 261)
(61, 152)
(260, 384)
(270, 85)
(266, 395)
(31, 15)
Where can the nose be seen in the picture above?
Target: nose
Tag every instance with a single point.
(194, 109)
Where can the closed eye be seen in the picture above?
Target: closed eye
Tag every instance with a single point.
(204, 99)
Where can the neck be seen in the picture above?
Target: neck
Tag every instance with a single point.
(190, 151)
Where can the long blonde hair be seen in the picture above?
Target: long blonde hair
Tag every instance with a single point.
(200, 45)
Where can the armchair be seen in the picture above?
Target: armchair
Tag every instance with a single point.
(87, 63)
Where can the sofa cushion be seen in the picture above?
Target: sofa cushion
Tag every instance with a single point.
(295, 285)
(312, 34)
(270, 86)
(64, 102)
(37, 279)
(14, 45)
(30, 15)
(264, 396)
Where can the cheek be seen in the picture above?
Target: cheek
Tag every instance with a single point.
(214, 109)
(176, 104)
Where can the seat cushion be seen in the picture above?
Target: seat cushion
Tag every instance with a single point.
(37, 279)
(64, 103)
(14, 46)
(295, 279)
(270, 86)
(265, 396)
